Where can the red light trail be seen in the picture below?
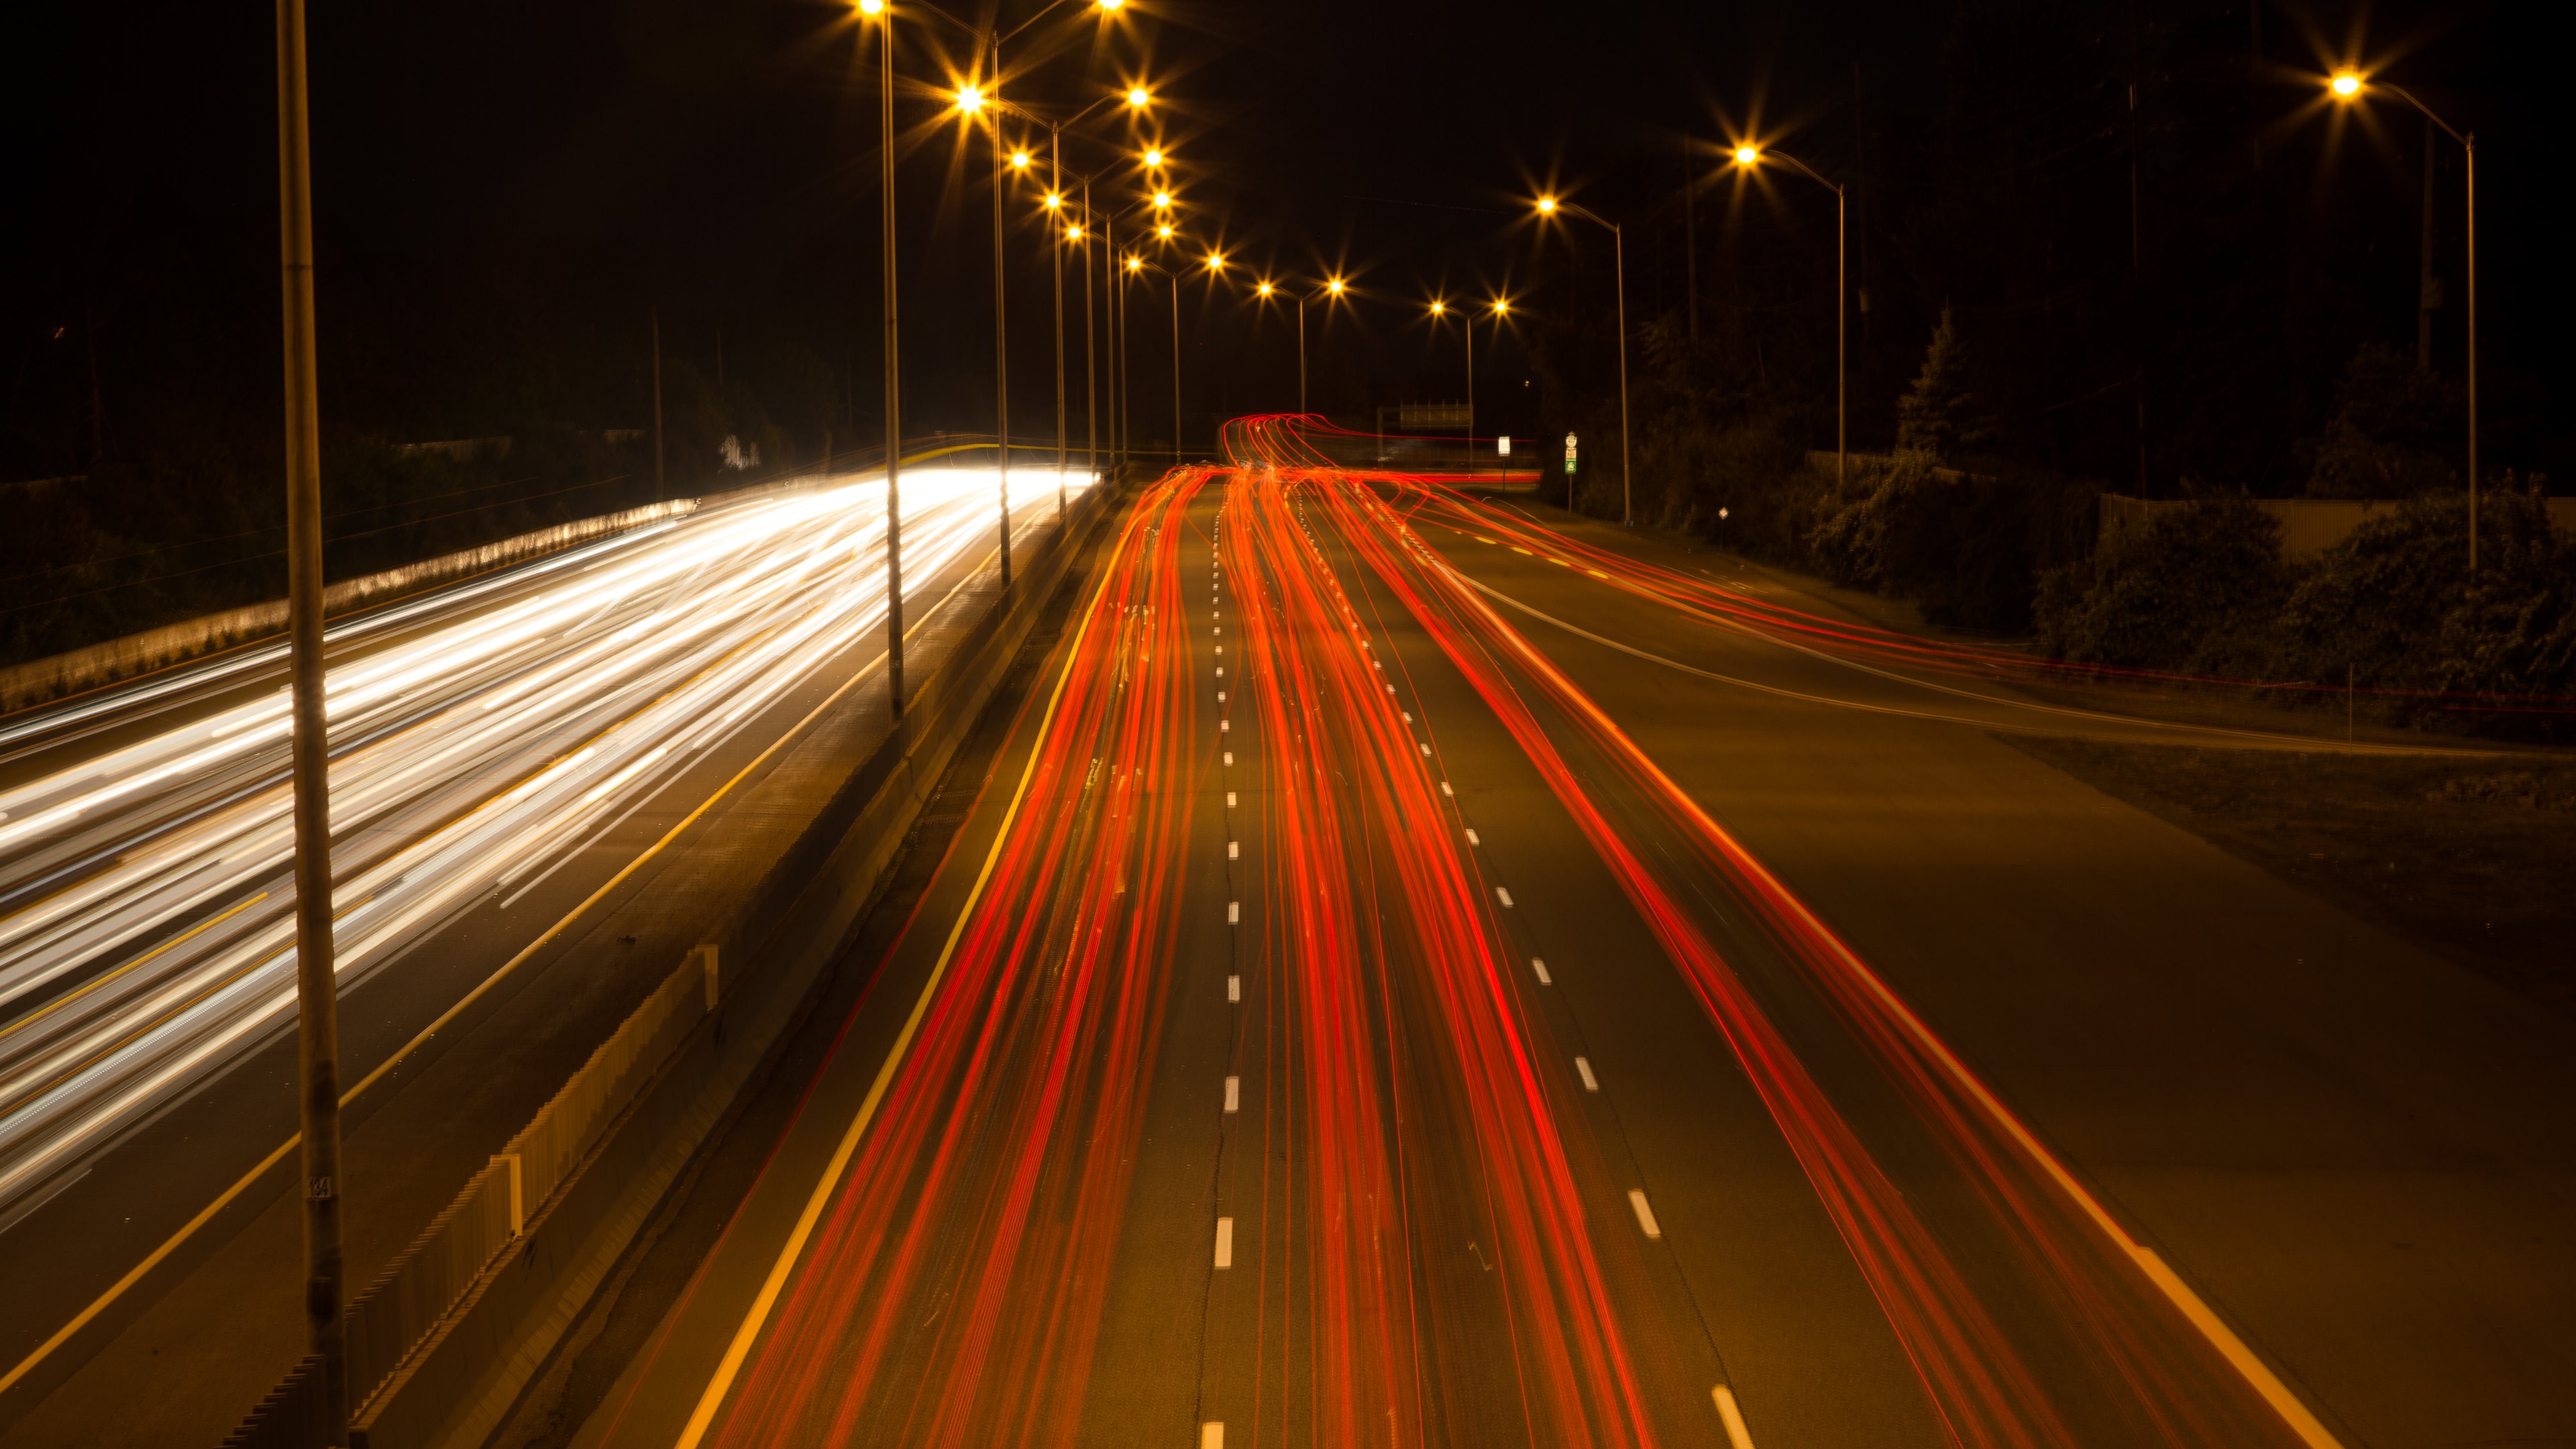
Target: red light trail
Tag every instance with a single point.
(1401, 1093)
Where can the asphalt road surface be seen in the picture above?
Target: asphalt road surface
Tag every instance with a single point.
(1408, 974)
(520, 766)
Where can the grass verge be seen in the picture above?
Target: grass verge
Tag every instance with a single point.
(2474, 861)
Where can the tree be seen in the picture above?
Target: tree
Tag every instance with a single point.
(2393, 431)
(1941, 414)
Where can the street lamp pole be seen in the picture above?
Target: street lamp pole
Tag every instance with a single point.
(1750, 155)
(1090, 353)
(1055, 225)
(1301, 354)
(1549, 206)
(1176, 369)
(1001, 335)
(2347, 86)
(893, 372)
(317, 1004)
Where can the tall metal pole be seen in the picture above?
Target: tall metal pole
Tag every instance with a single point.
(1842, 334)
(1619, 262)
(1001, 336)
(1467, 324)
(1090, 351)
(1176, 369)
(317, 1009)
(2469, 147)
(660, 492)
(893, 381)
(1126, 388)
(1301, 353)
(1055, 219)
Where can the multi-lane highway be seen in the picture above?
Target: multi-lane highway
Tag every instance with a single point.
(502, 752)
(1348, 1012)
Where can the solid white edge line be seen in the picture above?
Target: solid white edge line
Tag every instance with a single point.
(1584, 1068)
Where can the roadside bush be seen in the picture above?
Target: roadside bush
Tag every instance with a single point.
(1968, 546)
(2396, 602)
(2196, 588)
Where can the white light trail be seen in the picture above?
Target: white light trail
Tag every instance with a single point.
(146, 895)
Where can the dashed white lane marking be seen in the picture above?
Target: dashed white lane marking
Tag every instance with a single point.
(1220, 649)
(1426, 747)
(1229, 799)
(1584, 1069)
(1737, 1436)
(1225, 726)
(1220, 669)
(1233, 1093)
(1234, 913)
(1234, 850)
(1445, 790)
(1408, 716)
(1389, 689)
(1212, 1435)
(1225, 1238)
(1637, 1200)
(1504, 895)
(1540, 967)
(1219, 629)
(1229, 757)
(1220, 696)
(1234, 988)
(1471, 838)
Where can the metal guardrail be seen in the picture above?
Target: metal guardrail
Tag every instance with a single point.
(397, 1312)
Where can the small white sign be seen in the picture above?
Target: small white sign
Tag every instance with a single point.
(1503, 445)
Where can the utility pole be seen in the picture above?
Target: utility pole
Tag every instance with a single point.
(317, 1009)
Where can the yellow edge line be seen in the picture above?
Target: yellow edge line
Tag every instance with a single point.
(187, 1230)
(757, 1316)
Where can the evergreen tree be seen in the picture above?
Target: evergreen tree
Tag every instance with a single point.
(1941, 414)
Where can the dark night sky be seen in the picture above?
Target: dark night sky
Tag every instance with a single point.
(550, 169)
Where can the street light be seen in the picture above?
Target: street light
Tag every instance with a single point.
(2349, 86)
(1153, 156)
(1135, 265)
(1749, 156)
(1550, 206)
(1331, 291)
(973, 101)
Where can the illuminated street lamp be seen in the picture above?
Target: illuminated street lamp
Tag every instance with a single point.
(1549, 206)
(1749, 156)
(2350, 86)
(1330, 290)
(1136, 98)
(974, 101)
(1136, 265)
